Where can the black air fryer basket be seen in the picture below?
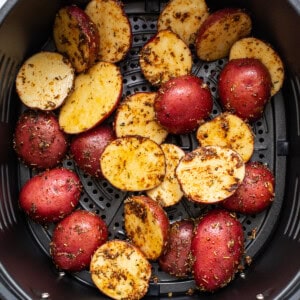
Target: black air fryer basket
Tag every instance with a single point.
(26, 270)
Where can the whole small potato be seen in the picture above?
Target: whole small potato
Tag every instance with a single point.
(50, 195)
(183, 103)
(38, 140)
(87, 147)
(176, 258)
(76, 238)
(245, 87)
(217, 248)
(255, 193)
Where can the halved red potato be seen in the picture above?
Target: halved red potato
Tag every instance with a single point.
(176, 258)
(76, 37)
(228, 130)
(114, 29)
(251, 47)
(219, 31)
(95, 96)
(136, 116)
(146, 224)
(120, 270)
(244, 88)
(256, 192)
(217, 247)
(133, 163)
(165, 56)
(182, 103)
(75, 239)
(38, 140)
(169, 192)
(51, 195)
(45, 80)
(87, 147)
(184, 17)
(210, 174)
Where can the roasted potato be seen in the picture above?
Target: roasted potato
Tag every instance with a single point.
(217, 248)
(38, 140)
(136, 116)
(120, 270)
(256, 192)
(244, 88)
(45, 80)
(114, 29)
(182, 103)
(51, 195)
(177, 259)
(168, 192)
(165, 56)
(184, 17)
(75, 239)
(210, 174)
(219, 31)
(76, 37)
(146, 225)
(133, 163)
(95, 96)
(228, 130)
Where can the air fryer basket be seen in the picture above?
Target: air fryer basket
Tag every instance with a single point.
(272, 238)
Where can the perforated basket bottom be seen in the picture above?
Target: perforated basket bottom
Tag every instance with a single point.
(106, 201)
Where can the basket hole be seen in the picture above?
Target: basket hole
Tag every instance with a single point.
(69, 163)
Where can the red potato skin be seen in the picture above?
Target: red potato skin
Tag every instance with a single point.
(176, 258)
(244, 88)
(90, 36)
(38, 140)
(87, 147)
(183, 103)
(76, 238)
(217, 248)
(50, 195)
(256, 192)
